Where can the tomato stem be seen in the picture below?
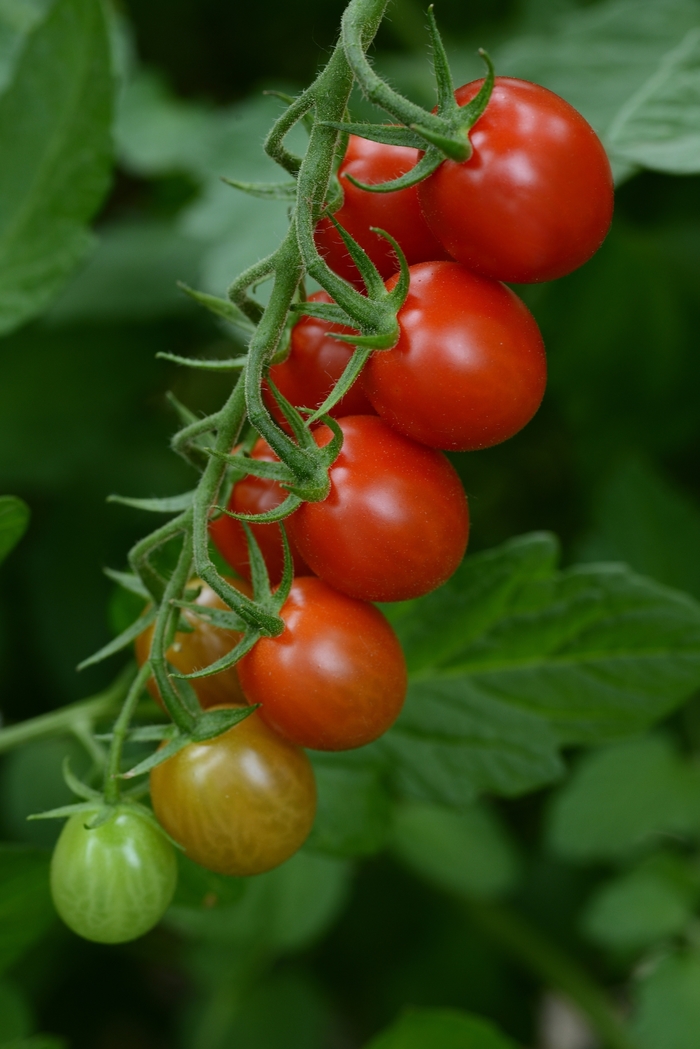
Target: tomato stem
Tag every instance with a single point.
(71, 719)
(121, 727)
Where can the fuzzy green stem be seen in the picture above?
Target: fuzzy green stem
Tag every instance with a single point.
(231, 420)
(274, 143)
(70, 719)
(140, 553)
(358, 30)
(121, 727)
(534, 950)
(168, 614)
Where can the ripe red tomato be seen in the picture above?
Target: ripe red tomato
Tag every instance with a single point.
(314, 365)
(535, 199)
(469, 369)
(239, 804)
(193, 651)
(398, 213)
(335, 678)
(255, 495)
(395, 524)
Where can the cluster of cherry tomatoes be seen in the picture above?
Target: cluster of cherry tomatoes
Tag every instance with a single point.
(533, 202)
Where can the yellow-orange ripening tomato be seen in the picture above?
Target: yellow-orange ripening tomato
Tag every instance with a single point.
(239, 804)
(193, 651)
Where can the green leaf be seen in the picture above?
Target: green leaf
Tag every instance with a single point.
(128, 582)
(352, 818)
(519, 660)
(283, 1010)
(213, 722)
(599, 58)
(477, 596)
(18, 19)
(440, 1029)
(659, 126)
(283, 910)
(131, 275)
(169, 505)
(26, 911)
(639, 908)
(468, 853)
(123, 640)
(55, 150)
(621, 798)
(637, 512)
(667, 1012)
(14, 518)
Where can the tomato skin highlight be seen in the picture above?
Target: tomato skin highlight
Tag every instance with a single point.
(469, 369)
(255, 495)
(535, 199)
(114, 883)
(335, 679)
(398, 213)
(239, 804)
(197, 650)
(395, 524)
(315, 363)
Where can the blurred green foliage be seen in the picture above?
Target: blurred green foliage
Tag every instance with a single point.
(370, 917)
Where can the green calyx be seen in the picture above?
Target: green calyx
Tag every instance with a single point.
(445, 133)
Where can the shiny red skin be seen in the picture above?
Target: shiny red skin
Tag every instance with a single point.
(315, 363)
(335, 679)
(395, 524)
(255, 495)
(469, 369)
(535, 199)
(398, 213)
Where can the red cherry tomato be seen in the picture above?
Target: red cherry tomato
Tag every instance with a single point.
(255, 495)
(398, 213)
(395, 524)
(469, 369)
(335, 678)
(196, 650)
(535, 199)
(239, 804)
(314, 365)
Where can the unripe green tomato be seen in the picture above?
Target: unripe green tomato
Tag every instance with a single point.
(113, 883)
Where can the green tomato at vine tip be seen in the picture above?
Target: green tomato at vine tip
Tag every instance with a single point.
(113, 883)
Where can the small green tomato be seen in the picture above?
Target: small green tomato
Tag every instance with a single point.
(113, 883)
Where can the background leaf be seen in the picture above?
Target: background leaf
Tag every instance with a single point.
(608, 61)
(637, 513)
(440, 1029)
(667, 1014)
(280, 911)
(352, 818)
(468, 853)
(54, 155)
(15, 1014)
(638, 909)
(659, 126)
(620, 798)
(529, 661)
(14, 518)
(26, 911)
